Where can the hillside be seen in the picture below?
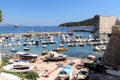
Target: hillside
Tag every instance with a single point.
(88, 22)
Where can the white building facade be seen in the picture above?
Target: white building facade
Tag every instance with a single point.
(103, 24)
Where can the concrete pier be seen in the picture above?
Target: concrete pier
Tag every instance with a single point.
(29, 33)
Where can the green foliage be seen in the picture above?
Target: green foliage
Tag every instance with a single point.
(32, 75)
(88, 22)
(0, 15)
(5, 60)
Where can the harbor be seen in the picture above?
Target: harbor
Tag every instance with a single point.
(47, 53)
(59, 40)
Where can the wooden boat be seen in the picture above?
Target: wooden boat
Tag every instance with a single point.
(60, 49)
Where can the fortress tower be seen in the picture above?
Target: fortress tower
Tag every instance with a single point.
(103, 24)
(111, 56)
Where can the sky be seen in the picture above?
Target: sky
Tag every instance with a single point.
(55, 12)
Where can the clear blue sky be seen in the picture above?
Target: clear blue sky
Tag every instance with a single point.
(54, 12)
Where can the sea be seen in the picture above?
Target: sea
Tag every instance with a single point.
(72, 51)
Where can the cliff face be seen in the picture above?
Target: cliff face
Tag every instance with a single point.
(111, 56)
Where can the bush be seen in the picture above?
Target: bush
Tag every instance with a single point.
(32, 75)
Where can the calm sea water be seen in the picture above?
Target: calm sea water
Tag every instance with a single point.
(72, 51)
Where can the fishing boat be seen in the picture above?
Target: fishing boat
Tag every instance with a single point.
(54, 56)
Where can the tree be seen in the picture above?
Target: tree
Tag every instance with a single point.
(0, 15)
(32, 75)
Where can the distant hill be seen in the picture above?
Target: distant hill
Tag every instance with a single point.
(88, 22)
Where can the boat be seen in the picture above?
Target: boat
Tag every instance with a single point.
(44, 46)
(13, 50)
(60, 49)
(54, 56)
(82, 74)
(19, 67)
(16, 25)
(27, 56)
(96, 48)
(45, 52)
(61, 45)
(26, 48)
(66, 73)
(81, 44)
(52, 42)
(71, 45)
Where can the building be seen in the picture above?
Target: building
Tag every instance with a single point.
(103, 24)
(111, 56)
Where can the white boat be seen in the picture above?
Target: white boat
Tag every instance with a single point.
(25, 54)
(81, 44)
(61, 45)
(16, 25)
(52, 42)
(26, 48)
(66, 73)
(44, 46)
(54, 56)
(96, 48)
(71, 45)
(13, 50)
(19, 67)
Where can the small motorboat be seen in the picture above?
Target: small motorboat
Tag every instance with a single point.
(81, 44)
(14, 50)
(54, 56)
(26, 48)
(44, 46)
(65, 73)
(16, 25)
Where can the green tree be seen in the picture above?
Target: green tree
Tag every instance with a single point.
(0, 15)
(32, 75)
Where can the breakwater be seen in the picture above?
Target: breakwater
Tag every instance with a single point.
(25, 34)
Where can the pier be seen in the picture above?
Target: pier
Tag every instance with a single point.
(83, 31)
(29, 34)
